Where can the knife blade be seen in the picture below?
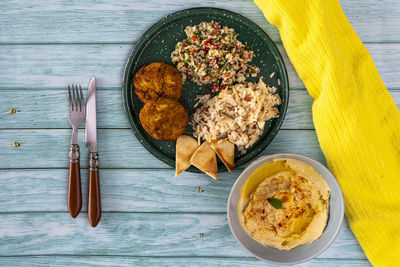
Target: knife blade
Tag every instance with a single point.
(94, 202)
(91, 122)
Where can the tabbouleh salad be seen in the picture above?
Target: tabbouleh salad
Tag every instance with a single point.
(212, 54)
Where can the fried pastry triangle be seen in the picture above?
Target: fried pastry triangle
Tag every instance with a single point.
(204, 159)
(185, 147)
(226, 152)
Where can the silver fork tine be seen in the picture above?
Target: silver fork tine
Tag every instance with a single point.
(78, 101)
(70, 99)
(73, 93)
(82, 100)
(77, 98)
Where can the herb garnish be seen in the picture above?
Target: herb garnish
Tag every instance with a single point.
(276, 203)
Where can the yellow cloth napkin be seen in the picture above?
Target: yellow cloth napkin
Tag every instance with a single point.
(356, 120)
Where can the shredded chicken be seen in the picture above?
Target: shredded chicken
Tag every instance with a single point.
(238, 113)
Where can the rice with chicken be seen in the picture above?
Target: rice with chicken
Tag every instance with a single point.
(237, 113)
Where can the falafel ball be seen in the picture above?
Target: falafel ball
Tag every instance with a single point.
(157, 79)
(164, 119)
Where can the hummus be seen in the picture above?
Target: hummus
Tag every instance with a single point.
(305, 204)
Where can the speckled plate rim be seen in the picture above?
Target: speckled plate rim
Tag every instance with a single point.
(137, 50)
(238, 230)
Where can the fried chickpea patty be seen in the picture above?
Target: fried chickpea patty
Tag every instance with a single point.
(156, 80)
(164, 119)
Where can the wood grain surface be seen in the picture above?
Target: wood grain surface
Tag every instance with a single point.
(118, 148)
(150, 218)
(54, 65)
(35, 108)
(164, 261)
(122, 21)
(144, 234)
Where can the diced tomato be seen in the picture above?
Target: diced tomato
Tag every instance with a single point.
(211, 43)
(215, 25)
(240, 68)
(194, 38)
(215, 87)
(237, 47)
(213, 62)
(208, 42)
(227, 74)
(249, 56)
(222, 87)
(183, 45)
(254, 126)
(192, 50)
(203, 78)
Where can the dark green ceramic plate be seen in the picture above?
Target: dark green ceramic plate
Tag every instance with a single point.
(159, 41)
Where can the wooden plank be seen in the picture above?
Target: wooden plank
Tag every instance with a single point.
(48, 109)
(125, 21)
(123, 190)
(135, 234)
(55, 66)
(118, 148)
(163, 261)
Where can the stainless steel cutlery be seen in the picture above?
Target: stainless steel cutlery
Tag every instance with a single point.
(76, 115)
(94, 202)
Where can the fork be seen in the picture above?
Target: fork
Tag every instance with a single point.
(76, 115)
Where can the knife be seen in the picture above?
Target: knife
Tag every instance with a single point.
(94, 203)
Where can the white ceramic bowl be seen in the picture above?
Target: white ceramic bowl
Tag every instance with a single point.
(301, 253)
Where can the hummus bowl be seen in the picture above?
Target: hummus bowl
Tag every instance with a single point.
(300, 253)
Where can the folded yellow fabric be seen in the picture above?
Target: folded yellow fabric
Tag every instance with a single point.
(356, 120)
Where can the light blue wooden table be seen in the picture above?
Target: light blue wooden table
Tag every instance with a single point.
(149, 217)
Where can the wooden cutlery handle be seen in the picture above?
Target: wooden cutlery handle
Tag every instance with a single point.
(94, 201)
(74, 184)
